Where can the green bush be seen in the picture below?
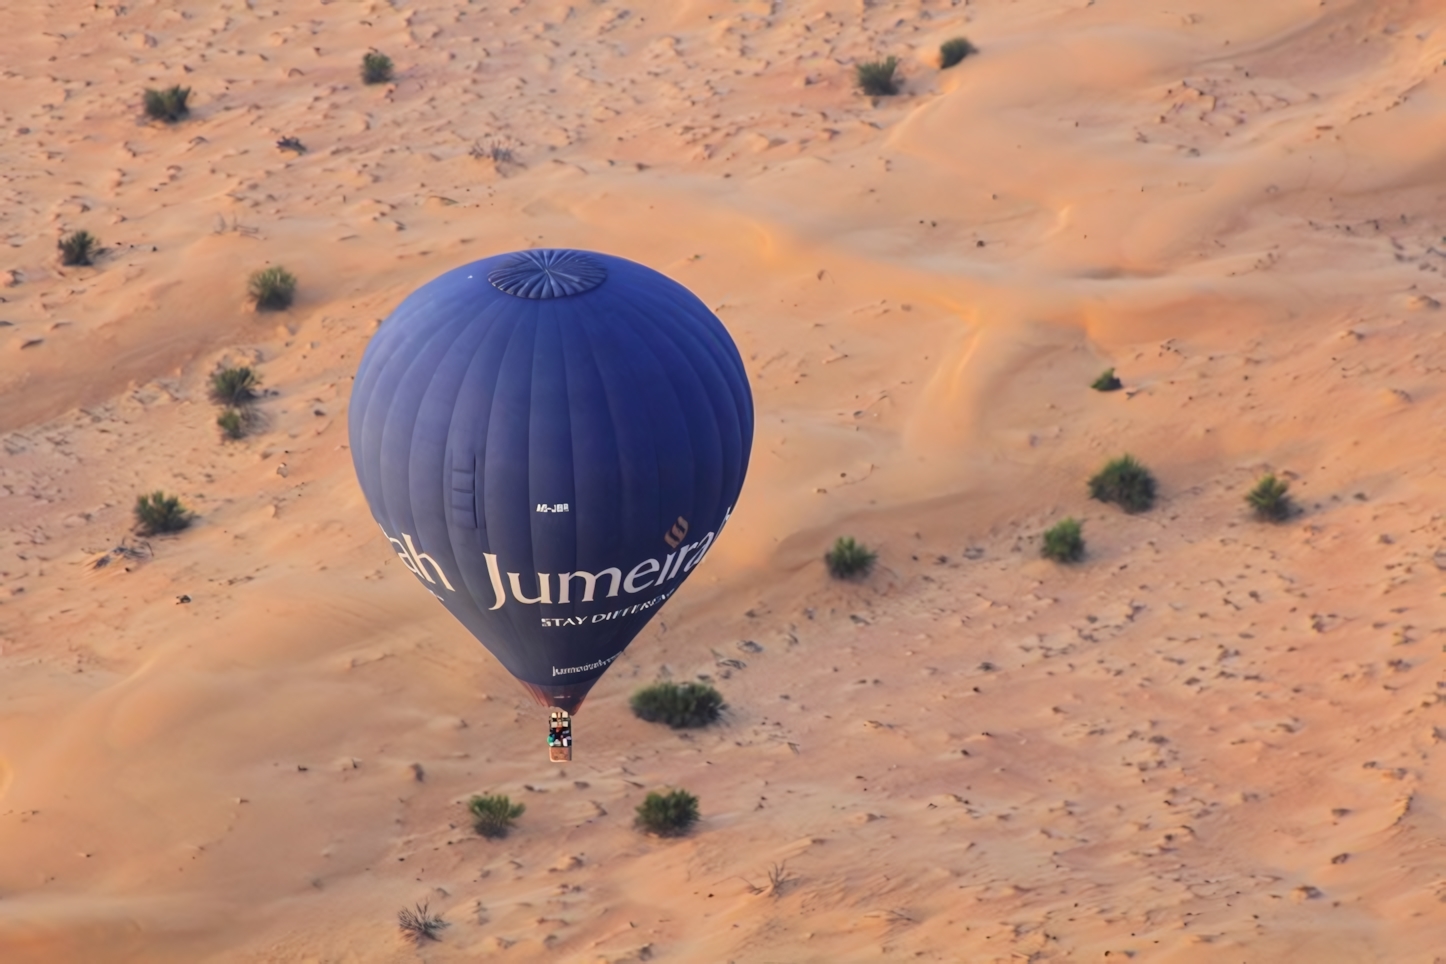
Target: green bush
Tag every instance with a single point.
(849, 559)
(1107, 382)
(1063, 542)
(167, 105)
(1126, 483)
(232, 422)
(492, 816)
(272, 288)
(1269, 499)
(678, 705)
(668, 814)
(77, 248)
(876, 77)
(234, 386)
(953, 51)
(376, 68)
(157, 512)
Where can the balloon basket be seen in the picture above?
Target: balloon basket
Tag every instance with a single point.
(559, 737)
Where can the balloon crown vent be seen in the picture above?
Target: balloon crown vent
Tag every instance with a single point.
(548, 273)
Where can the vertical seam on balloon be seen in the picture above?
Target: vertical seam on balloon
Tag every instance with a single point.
(657, 466)
(453, 537)
(576, 508)
(517, 328)
(386, 415)
(662, 305)
(375, 408)
(662, 369)
(573, 508)
(734, 376)
(667, 380)
(411, 436)
(541, 316)
(613, 409)
(505, 646)
(482, 317)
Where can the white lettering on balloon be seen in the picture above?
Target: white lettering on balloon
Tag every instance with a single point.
(639, 578)
(605, 617)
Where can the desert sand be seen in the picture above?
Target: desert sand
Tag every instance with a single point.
(1212, 740)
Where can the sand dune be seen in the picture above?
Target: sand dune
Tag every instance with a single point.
(1215, 739)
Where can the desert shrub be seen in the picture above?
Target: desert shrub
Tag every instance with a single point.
(953, 51)
(167, 105)
(1269, 499)
(668, 814)
(492, 816)
(1126, 483)
(376, 68)
(420, 924)
(271, 288)
(77, 248)
(778, 880)
(849, 559)
(1107, 382)
(677, 704)
(157, 512)
(1063, 542)
(234, 386)
(232, 423)
(495, 151)
(876, 77)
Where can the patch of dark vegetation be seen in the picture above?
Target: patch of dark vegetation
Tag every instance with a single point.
(78, 248)
(849, 559)
(1270, 500)
(876, 77)
(1125, 482)
(951, 52)
(158, 513)
(669, 814)
(679, 705)
(234, 386)
(232, 423)
(167, 105)
(1107, 382)
(376, 68)
(492, 816)
(1063, 542)
(272, 289)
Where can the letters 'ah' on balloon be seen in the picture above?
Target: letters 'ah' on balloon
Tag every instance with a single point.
(552, 440)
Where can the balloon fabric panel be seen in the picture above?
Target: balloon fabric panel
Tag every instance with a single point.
(551, 471)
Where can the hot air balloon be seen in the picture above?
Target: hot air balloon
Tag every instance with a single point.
(551, 441)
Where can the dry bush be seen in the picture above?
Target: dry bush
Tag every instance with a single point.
(420, 924)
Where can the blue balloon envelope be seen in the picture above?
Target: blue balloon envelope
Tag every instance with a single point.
(552, 440)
